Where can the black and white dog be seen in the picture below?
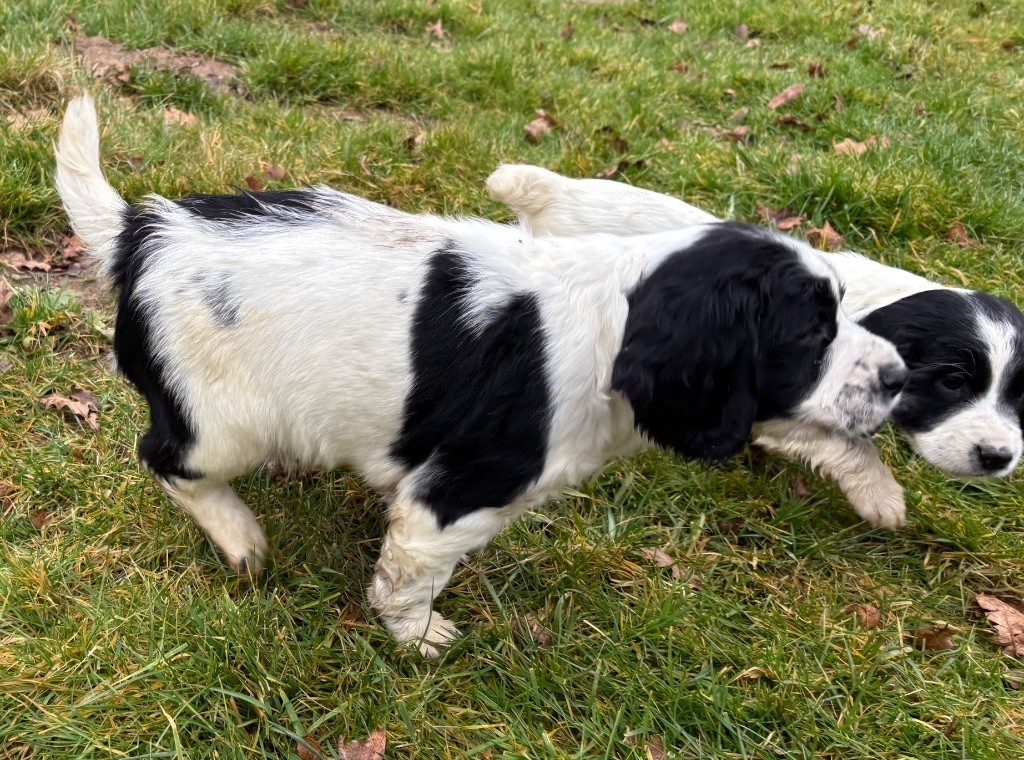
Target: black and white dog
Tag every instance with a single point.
(962, 406)
(463, 368)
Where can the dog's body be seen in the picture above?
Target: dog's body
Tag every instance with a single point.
(964, 349)
(464, 369)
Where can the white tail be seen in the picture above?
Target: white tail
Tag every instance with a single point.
(93, 206)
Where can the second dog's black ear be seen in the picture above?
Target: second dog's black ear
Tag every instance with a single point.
(688, 362)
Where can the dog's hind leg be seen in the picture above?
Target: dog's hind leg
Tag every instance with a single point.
(228, 522)
(416, 561)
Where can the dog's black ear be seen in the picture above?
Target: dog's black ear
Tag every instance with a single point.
(688, 362)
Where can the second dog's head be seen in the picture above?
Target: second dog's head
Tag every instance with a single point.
(744, 326)
(964, 400)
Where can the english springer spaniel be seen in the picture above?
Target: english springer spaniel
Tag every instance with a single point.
(961, 409)
(465, 369)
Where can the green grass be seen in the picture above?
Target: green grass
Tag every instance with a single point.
(121, 634)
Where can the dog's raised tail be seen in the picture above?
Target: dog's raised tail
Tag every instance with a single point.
(93, 206)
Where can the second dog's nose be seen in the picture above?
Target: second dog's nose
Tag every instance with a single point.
(893, 377)
(993, 459)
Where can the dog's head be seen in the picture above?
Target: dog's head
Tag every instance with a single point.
(963, 402)
(744, 326)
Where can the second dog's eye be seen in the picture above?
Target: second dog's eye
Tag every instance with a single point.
(953, 382)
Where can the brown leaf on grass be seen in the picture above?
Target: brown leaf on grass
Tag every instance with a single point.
(739, 114)
(535, 632)
(678, 26)
(1007, 622)
(309, 748)
(273, 171)
(825, 238)
(679, 67)
(867, 615)
(71, 248)
(849, 145)
(777, 217)
(413, 140)
(371, 748)
(19, 260)
(655, 749)
(789, 120)
(436, 29)
(788, 95)
(787, 224)
(82, 404)
(936, 638)
(6, 294)
(742, 31)
(798, 484)
(816, 70)
(732, 525)
(736, 134)
(254, 183)
(6, 495)
(568, 31)
(614, 140)
(540, 126)
(958, 234)
(25, 118)
(40, 517)
(174, 115)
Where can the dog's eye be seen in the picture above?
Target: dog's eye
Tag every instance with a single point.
(953, 382)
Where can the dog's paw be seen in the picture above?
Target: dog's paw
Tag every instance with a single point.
(247, 553)
(881, 504)
(429, 633)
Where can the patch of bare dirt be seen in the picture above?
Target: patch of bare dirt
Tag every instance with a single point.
(109, 61)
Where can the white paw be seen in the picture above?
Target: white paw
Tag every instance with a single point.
(247, 551)
(881, 505)
(430, 632)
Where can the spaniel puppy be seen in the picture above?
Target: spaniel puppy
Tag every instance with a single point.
(465, 369)
(962, 406)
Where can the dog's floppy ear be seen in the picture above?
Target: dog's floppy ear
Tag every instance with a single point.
(688, 362)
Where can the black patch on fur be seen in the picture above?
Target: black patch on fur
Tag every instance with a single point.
(244, 205)
(727, 332)
(164, 446)
(479, 410)
(938, 335)
(220, 297)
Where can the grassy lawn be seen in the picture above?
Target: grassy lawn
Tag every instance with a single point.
(122, 634)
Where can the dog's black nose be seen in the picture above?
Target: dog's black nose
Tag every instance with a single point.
(992, 459)
(893, 377)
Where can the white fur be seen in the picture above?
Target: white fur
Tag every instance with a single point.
(316, 365)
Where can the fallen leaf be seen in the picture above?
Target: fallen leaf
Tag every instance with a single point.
(174, 115)
(82, 404)
(788, 95)
(798, 484)
(24, 262)
(849, 145)
(253, 182)
(614, 140)
(540, 126)
(816, 70)
(737, 134)
(568, 31)
(71, 248)
(937, 638)
(436, 29)
(742, 31)
(1007, 622)
(40, 517)
(774, 216)
(536, 632)
(25, 118)
(273, 171)
(825, 238)
(413, 140)
(732, 525)
(867, 615)
(739, 114)
(789, 120)
(372, 748)
(655, 749)
(958, 234)
(309, 749)
(678, 26)
(785, 225)
(679, 67)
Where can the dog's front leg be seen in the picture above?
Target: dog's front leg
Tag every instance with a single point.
(853, 463)
(416, 561)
